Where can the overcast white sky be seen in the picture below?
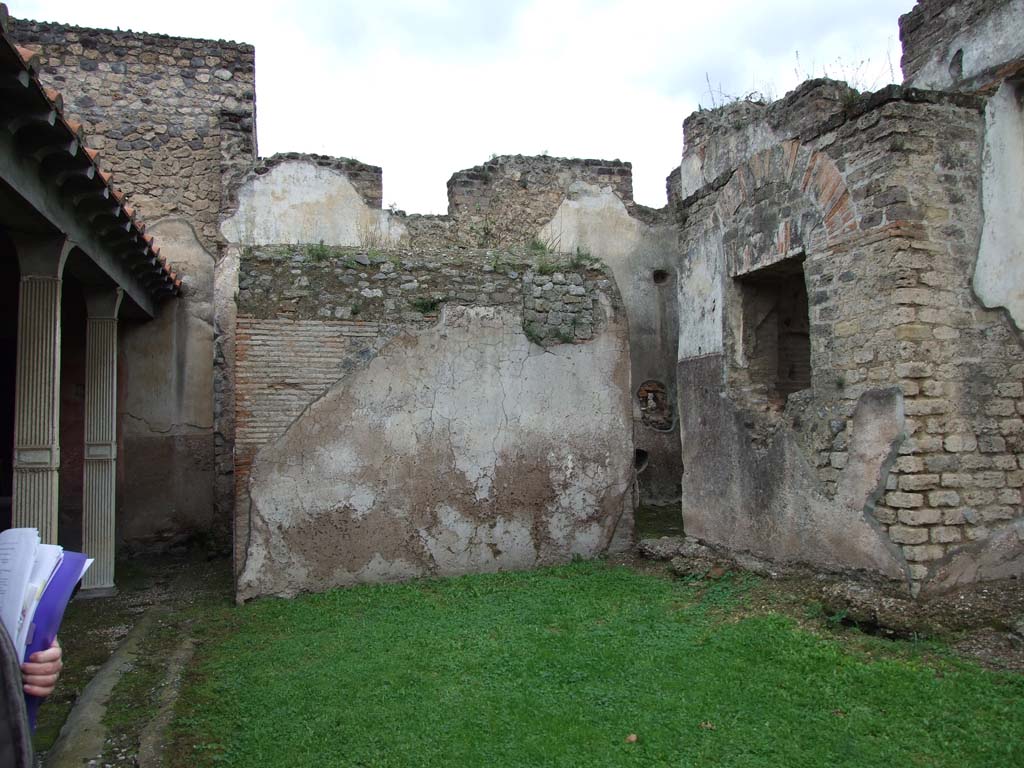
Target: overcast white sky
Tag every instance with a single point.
(428, 87)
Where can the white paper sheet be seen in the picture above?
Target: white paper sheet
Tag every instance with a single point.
(17, 555)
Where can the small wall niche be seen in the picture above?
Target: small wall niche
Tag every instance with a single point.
(660, 276)
(640, 459)
(776, 329)
(655, 405)
(956, 66)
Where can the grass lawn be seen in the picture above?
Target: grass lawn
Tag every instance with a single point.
(557, 667)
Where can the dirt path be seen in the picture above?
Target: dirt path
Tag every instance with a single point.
(124, 659)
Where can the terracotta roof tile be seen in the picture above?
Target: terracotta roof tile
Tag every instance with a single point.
(28, 56)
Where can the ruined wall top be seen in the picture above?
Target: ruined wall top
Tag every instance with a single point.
(467, 188)
(719, 140)
(508, 198)
(52, 31)
(961, 44)
(367, 179)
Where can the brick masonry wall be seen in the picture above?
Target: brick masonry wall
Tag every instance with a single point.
(885, 205)
(166, 112)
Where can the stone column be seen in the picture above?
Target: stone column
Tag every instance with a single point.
(37, 388)
(100, 437)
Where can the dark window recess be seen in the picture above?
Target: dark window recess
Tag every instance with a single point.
(660, 276)
(655, 406)
(640, 458)
(776, 330)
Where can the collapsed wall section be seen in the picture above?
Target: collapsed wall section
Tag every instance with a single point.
(849, 248)
(409, 412)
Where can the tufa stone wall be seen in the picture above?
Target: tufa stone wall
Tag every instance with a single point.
(441, 433)
(901, 455)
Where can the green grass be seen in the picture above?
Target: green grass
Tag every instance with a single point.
(556, 667)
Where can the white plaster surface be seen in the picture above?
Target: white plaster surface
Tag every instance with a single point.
(989, 42)
(298, 201)
(160, 396)
(999, 270)
(700, 299)
(594, 220)
(166, 401)
(460, 448)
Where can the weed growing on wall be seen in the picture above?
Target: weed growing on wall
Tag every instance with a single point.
(317, 251)
(424, 305)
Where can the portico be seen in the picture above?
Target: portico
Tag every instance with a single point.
(68, 240)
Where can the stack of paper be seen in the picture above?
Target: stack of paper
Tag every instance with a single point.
(36, 583)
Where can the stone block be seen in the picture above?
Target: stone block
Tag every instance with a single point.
(991, 479)
(902, 500)
(909, 465)
(902, 534)
(995, 513)
(976, 497)
(920, 516)
(1009, 496)
(913, 370)
(943, 499)
(964, 443)
(923, 552)
(944, 534)
(942, 463)
(918, 482)
(991, 444)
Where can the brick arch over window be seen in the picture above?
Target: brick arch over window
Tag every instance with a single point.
(784, 200)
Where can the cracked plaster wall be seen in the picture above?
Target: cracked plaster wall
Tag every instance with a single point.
(458, 447)
(166, 405)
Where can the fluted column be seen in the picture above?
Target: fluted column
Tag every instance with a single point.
(100, 437)
(37, 388)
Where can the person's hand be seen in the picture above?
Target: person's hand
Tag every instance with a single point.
(39, 674)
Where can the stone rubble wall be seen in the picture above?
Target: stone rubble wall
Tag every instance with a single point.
(156, 107)
(434, 406)
(509, 198)
(174, 120)
(882, 199)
